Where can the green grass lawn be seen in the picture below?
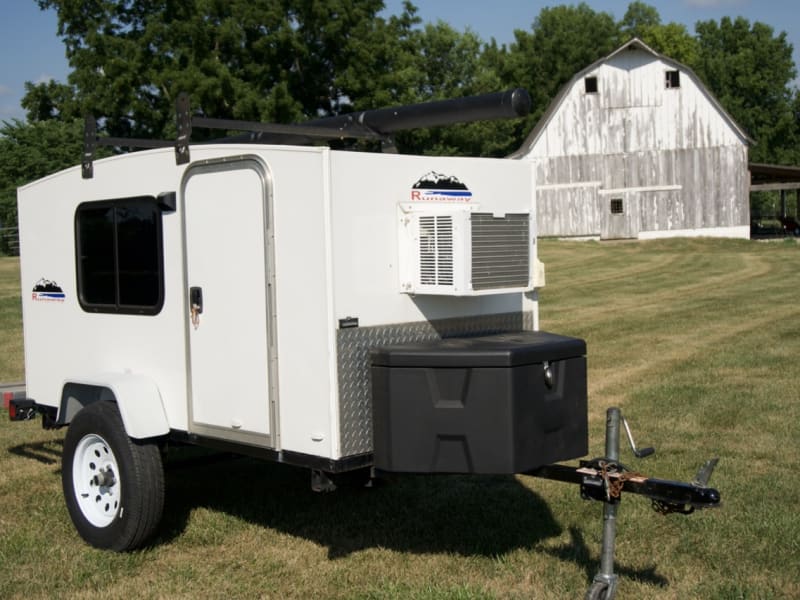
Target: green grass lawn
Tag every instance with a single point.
(696, 340)
(11, 359)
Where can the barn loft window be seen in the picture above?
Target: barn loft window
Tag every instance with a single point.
(120, 256)
(616, 206)
(673, 79)
(590, 84)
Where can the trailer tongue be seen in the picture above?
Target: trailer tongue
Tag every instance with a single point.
(605, 479)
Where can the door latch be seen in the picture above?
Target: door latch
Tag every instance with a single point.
(196, 305)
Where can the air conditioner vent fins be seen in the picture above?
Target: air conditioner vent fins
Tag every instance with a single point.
(436, 250)
(500, 251)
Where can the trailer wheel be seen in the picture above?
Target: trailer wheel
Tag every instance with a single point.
(599, 590)
(113, 485)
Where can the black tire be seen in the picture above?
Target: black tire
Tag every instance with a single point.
(113, 485)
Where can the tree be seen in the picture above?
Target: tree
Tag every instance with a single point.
(672, 39)
(284, 61)
(449, 64)
(385, 65)
(274, 61)
(29, 151)
(563, 40)
(750, 70)
(48, 100)
(639, 19)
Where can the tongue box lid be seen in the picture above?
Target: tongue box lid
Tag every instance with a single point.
(498, 350)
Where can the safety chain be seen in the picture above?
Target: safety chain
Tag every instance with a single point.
(666, 508)
(613, 486)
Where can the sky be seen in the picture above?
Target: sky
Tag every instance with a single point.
(32, 51)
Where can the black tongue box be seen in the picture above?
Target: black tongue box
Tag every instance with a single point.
(499, 404)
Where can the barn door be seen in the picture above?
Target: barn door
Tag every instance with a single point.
(620, 216)
(229, 300)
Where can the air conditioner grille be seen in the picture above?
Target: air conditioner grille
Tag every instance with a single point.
(436, 250)
(500, 251)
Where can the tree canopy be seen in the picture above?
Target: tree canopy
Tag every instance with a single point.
(562, 41)
(671, 39)
(750, 70)
(275, 61)
(29, 151)
(293, 60)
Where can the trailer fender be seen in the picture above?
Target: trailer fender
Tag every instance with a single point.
(137, 397)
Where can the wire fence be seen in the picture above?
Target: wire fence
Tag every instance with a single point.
(9, 241)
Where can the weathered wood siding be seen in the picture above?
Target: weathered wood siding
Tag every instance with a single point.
(668, 153)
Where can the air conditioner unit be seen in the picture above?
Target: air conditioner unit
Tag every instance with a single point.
(458, 252)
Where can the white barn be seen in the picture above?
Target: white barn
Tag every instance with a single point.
(635, 146)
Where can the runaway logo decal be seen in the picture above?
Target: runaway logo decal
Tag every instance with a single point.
(47, 291)
(435, 187)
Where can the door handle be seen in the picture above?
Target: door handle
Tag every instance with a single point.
(195, 304)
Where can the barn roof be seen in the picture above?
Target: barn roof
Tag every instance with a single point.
(639, 45)
(765, 177)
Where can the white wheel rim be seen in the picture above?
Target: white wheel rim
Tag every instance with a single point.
(95, 480)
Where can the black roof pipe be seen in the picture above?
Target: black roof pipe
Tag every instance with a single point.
(381, 122)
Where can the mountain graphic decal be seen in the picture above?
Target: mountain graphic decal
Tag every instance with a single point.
(46, 290)
(437, 187)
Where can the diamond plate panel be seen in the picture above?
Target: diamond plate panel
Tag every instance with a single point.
(353, 346)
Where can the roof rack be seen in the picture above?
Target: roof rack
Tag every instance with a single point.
(376, 124)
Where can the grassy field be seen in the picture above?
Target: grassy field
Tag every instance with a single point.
(698, 341)
(11, 359)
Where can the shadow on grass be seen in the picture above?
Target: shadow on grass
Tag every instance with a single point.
(467, 515)
(47, 453)
(578, 552)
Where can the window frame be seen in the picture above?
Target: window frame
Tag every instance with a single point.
(669, 75)
(616, 206)
(117, 307)
(586, 86)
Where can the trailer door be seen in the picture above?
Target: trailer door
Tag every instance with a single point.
(227, 228)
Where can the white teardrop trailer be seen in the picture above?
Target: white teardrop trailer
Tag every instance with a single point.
(336, 310)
